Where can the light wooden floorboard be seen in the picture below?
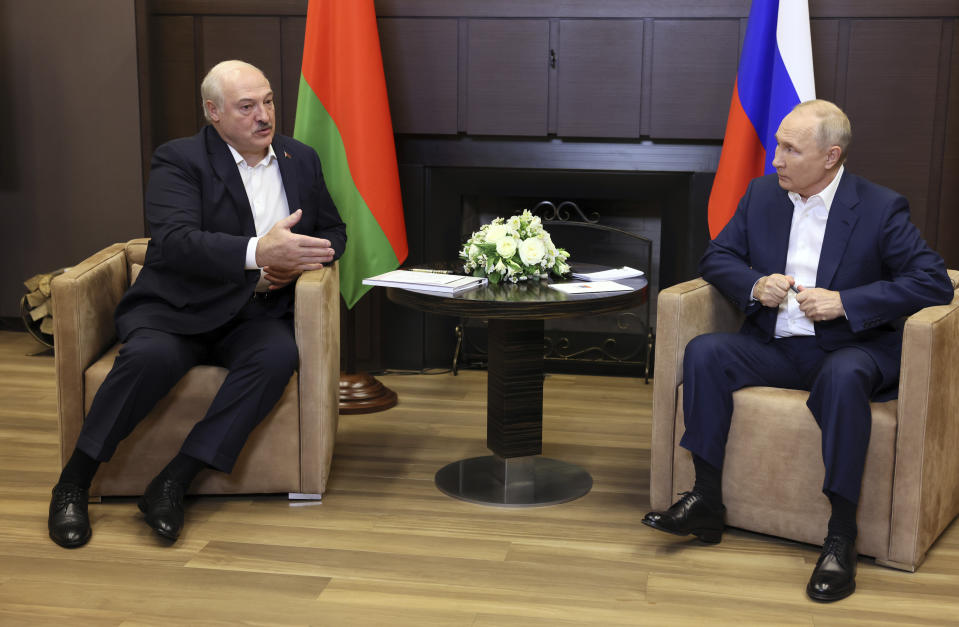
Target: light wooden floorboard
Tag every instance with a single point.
(385, 547)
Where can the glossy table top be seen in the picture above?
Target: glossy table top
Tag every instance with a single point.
(522, 300)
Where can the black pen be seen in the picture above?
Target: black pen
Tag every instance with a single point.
(794, 288)
(430, 271)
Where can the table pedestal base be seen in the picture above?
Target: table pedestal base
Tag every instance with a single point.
(514, 482)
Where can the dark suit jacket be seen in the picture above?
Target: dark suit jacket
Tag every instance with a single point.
(193, 279)
(871, 254)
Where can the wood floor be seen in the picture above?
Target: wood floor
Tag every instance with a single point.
(387, 548)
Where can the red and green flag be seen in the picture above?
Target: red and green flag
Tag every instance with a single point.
(342, 112)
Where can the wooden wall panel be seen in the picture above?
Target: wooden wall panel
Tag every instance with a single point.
(508, 77)
(948, 228)
(600, 68)
(175, 90)
(70, 173)
(251, 39)
(294, 30)
(693, 70)
(420, 59)
(825, 57)
(891, 100)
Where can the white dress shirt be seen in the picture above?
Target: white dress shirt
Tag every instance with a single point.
(802, 257)
(264, 189)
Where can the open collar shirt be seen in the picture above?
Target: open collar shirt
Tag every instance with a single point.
(264, 189)
(802, 257)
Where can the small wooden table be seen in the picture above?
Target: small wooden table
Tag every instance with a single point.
(516, 474)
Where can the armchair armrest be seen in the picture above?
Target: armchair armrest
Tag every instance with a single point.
(683, 312)
(84, 298)
(925, 495)
(317, 323)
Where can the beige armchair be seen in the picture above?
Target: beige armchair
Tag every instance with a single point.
(773, 472)
(290, 451)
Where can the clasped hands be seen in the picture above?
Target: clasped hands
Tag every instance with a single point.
(285, 255)
(818, 304)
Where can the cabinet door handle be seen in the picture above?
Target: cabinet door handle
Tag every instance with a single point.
(552, 58)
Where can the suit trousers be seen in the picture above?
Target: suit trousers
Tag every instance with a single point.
(259, 352)
(840, 385)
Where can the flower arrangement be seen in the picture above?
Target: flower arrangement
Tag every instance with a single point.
(515, 249)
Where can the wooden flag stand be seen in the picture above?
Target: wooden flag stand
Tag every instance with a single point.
(360, 392)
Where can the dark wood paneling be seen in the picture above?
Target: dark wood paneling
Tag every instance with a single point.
(937, 154)
(507, 84)
(825, 56)
(294, 29)
(947, 242)
(229, 7)
(70, 174)
(175, 94)
(883, 8)
(565, 8)
(891, 100)
(568, 8)
(468, 152)
(420, 61)
(402, 329)
(694, 67)
(514, 412)
(142, 32)
(251, 39)
(600, 68)
(552, 96)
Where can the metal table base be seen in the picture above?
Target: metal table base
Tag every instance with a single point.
(528, 481)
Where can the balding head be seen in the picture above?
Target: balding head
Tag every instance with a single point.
(212, 86)
(238, 103)
(833, 127)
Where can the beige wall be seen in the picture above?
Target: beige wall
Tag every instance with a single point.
(70, 177)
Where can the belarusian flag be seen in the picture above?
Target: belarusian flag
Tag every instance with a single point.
(343, 113)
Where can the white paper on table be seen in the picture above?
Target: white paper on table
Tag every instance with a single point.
(591, 287)
(426, 281)
(609, 275)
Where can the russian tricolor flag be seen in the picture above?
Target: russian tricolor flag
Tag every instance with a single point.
(775, 74)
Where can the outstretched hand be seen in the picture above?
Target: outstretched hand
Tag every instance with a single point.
(284, 254)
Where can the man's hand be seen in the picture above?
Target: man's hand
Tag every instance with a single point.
(286, 253)
(279, 278)
(819, 304)
(771, 290)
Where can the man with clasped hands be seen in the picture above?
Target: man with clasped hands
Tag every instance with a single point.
(236, 214)
(824, 264)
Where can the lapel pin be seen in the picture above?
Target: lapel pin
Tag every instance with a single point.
(287, 155)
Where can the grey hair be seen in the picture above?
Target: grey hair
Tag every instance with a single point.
(212, 86)
(834, 127)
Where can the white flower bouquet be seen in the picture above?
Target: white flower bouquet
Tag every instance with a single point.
(515, 249)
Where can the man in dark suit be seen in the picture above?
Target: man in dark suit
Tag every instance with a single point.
(825, 266)
(236, 214)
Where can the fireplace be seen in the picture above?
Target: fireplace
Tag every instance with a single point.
(665, 206)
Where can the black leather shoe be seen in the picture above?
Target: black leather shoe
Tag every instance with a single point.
(690, 515)
(834, 577)
(163, 505)
(68, 521)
